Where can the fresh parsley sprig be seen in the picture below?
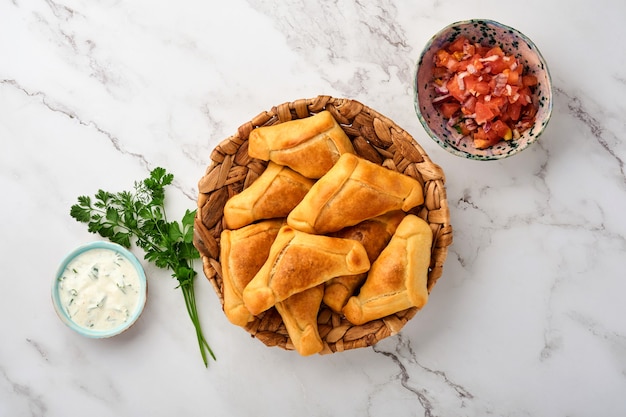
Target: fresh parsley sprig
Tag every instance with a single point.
(138, 217)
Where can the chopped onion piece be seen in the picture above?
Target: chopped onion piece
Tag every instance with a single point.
(442, 89)
(441, 98)
(459, 80)
(490, 58)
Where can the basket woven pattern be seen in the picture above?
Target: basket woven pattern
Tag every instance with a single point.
(376, 138)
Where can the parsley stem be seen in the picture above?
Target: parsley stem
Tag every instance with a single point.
(189, 295)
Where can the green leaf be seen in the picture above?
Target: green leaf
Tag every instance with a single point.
(174, 231)
(188, 235)
(80, 213)
(160, 178)
(145, 245)
(84, 201)
(106, 231)
(189, 217)
(129, 220)
(187, 250)
(162, 262)
(144, 213)
(102, 198)
(188, 225)
(185, 274)
(112, 215)
(121, 239)
(157, 214)
(93, 227)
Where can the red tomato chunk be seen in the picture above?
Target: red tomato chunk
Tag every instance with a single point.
(483, 92)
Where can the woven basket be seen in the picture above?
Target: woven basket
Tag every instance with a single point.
(375, 138)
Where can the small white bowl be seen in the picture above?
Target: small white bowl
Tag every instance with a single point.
(114, 301)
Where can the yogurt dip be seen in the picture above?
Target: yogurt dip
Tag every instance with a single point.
(100, 289)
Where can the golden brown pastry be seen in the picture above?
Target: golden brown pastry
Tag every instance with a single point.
(374, 234)
(398, 278)
(352, 191)
(310, 146)
(299, 313)
(274, 194)
(243, 253)
(299, 261)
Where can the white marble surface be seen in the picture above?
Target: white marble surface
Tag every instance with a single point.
(529, 317)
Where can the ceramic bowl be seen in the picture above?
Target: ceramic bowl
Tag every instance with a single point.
(99, 289)
(486, 33)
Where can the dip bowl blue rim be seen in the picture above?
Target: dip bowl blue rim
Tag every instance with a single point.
(100, 334)
(512, 41)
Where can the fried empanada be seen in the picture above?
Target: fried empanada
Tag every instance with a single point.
(310, 146)
(273, 195)
(243, 253)
(299, 313)
(374, 234)
(354, 190)
(299, 261)
(398, 279)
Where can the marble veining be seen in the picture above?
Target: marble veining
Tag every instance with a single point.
(450, 396)
(527, 319)
(58, 108)
(607, 139)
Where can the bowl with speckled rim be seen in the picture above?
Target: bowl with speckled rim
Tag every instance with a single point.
(487, 33)
(139, 292)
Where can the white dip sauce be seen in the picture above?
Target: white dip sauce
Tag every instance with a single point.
(99, 289)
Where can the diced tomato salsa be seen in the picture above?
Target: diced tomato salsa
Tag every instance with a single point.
(483, 92)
